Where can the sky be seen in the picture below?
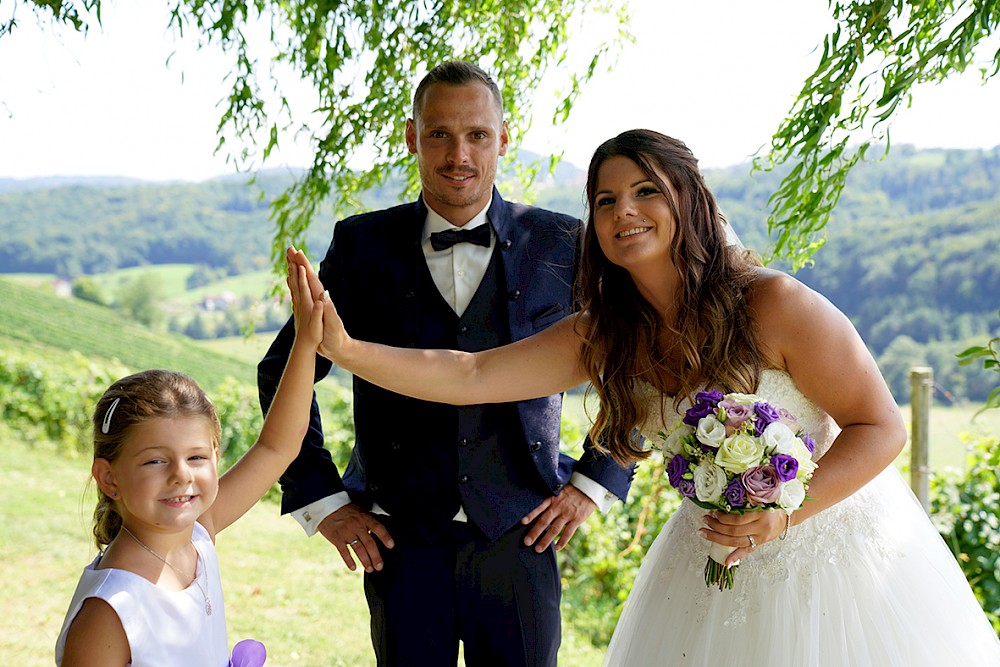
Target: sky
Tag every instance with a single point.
(718, 74)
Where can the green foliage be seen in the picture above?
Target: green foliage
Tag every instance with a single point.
(63, 11)
(87, 289)
(964, 508)
(140, 299)
(50, 401)
(991, 361)
(601, 561)
(877, 52)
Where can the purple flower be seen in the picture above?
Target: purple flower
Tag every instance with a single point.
(686, 487)
(762, 484)
(704, 405)
(808, 441)
(712, 397)
(787, 466)
(766, 414)
(735, 493)
(676, 468)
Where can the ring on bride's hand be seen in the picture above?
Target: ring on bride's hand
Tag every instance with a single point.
(354, 541)
(753, 542)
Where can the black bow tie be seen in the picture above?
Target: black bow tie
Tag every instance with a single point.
(479, 235)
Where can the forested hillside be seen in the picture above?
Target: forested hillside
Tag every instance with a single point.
(913, 255)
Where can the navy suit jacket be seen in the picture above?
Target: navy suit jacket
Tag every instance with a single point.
(371, 269)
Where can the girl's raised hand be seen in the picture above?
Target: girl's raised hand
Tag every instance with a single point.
(307, 307)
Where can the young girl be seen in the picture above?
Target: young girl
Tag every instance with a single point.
(153, 595)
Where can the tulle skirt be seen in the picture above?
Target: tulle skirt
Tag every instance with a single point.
(866, 583)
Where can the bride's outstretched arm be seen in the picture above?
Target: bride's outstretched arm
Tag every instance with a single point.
(543, 364)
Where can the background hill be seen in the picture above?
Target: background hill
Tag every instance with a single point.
(911, 255)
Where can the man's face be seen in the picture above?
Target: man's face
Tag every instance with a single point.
(457, 137)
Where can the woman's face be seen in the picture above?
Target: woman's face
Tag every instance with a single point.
(632, 217)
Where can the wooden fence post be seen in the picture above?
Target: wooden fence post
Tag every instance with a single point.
(921, 390)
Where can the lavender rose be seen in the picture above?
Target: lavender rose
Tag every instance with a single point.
(787, 466)
(762, 484)
(736, 415)
(808, 441)
(686, 487)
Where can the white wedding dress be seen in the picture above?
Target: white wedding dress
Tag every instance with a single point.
(865, 583)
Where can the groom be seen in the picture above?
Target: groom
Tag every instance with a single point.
(452, 511)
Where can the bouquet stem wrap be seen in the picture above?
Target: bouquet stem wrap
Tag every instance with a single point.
(716, 572)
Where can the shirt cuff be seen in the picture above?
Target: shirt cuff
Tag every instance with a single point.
(310, 516)
(603, 498)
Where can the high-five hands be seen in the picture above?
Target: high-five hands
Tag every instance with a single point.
(307, 307)
(335, 339)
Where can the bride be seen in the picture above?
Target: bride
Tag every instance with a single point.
(858, 575)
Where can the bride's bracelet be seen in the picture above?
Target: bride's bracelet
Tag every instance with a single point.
(788, 524)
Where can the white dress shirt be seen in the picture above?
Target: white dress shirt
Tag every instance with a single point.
(457, 272)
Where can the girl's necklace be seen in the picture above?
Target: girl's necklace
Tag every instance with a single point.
(204, 594)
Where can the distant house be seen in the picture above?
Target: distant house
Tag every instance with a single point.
(62, 287)
(216, 302)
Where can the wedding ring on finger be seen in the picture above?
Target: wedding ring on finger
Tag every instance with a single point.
(753, 542)
(354, 541)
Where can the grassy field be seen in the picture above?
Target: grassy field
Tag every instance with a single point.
(34, 317)
(292, 593)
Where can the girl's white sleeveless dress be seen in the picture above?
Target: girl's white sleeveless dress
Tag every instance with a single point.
(866, 583)
(164, 628)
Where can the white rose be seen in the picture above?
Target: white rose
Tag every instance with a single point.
(793, 492)
(739, 452)
(672, 444)
(802, 455)
(709, 482)
(779, 439)
(711, 431)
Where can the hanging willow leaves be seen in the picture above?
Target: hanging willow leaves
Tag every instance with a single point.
(359, 62)
(869, 64)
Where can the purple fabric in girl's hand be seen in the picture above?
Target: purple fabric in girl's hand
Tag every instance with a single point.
(248, 653)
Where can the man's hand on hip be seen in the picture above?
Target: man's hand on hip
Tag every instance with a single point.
(351, 527)
(558, 516)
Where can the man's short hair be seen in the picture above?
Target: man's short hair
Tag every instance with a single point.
(456, 73)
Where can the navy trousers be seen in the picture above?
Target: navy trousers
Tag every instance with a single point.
(500, 599)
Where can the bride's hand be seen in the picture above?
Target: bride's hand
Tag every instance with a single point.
(735, 530)
(335, 338)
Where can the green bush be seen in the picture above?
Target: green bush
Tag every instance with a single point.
(964, 507)
(42, 400)
(237, 406)
(601, 561)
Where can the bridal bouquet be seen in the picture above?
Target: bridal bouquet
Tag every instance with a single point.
(734, 453)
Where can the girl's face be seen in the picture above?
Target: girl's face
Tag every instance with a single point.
(632, 217)
(166, 476)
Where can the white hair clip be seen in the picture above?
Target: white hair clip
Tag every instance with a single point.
(106, 424)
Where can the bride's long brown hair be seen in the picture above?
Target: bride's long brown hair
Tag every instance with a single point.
(712, 334)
